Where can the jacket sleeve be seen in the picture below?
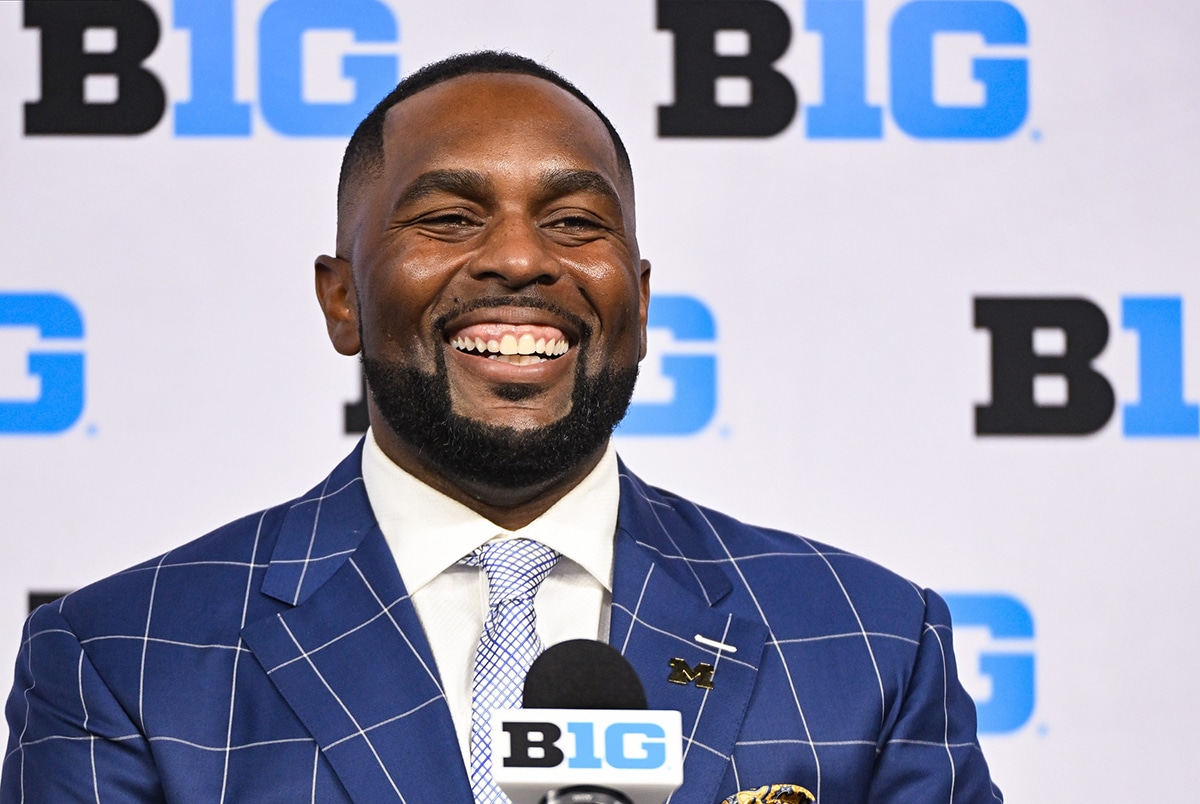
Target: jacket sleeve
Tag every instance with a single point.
(69, 738)
(932, 753)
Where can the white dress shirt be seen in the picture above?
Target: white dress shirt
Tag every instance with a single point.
(428, 533)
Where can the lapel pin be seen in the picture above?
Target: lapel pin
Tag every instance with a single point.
(684, 673)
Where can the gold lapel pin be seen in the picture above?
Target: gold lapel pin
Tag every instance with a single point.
(684, 673)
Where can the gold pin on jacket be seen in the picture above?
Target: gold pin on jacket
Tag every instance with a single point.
(773, 794)
(684, 673)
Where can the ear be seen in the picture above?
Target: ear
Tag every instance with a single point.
(335, 294)
(644, 304)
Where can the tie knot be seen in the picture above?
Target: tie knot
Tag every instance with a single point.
(515, 568)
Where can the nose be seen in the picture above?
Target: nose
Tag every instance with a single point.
(515, 253)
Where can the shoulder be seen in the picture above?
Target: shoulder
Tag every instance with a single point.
(206, 583)
(207, 576)
(788, 578)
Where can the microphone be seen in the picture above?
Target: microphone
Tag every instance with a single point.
(585, 735)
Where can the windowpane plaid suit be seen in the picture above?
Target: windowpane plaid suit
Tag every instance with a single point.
(280, 659)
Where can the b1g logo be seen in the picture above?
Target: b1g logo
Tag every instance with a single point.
(93, 80)
(535, 744)
(636, 751)
(57, 402)
(1005, 660)
(1050, 343)
(734, 44)
(686, 375)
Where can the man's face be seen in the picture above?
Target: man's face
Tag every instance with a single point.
(497, 252)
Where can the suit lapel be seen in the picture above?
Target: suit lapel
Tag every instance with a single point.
(351, 658)
(666, 586)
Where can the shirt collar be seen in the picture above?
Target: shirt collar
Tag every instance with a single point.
(429, 532)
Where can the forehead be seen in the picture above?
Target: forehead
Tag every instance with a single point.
(496, 122)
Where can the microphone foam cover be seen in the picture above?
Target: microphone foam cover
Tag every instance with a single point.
(583, 674)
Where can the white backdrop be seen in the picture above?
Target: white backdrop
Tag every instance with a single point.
(840, 274)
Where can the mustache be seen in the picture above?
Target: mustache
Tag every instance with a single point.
(513, 300)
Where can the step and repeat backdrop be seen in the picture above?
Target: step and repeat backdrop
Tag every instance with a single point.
(924, 277)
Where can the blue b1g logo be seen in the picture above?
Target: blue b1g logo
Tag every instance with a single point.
(691, 375)
(769, 102)
(59, 402)
(76, 64)
(1007, 660)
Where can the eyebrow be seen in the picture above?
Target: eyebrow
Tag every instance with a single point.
(466, 183)
(566, 181)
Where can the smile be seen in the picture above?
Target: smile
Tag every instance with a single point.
(520, 345)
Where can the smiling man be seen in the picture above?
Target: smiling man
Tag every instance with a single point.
(488, 271)
(349, 645)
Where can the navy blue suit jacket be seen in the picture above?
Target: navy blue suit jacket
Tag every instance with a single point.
(280, 659)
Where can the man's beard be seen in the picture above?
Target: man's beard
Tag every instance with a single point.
(417, 407)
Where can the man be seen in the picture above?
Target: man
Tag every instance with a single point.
(330, 649)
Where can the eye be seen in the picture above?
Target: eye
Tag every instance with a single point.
(575, 223)
(449, 219)
(448, 223)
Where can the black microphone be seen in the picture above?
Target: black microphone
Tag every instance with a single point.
(585, 735)
(582, 674)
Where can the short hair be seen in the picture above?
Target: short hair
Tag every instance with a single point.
(364, 153)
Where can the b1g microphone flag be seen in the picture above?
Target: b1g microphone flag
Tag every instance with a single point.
(585, 735)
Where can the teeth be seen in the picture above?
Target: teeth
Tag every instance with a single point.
(519, 351)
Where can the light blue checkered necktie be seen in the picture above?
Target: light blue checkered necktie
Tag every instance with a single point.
(515, 568)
